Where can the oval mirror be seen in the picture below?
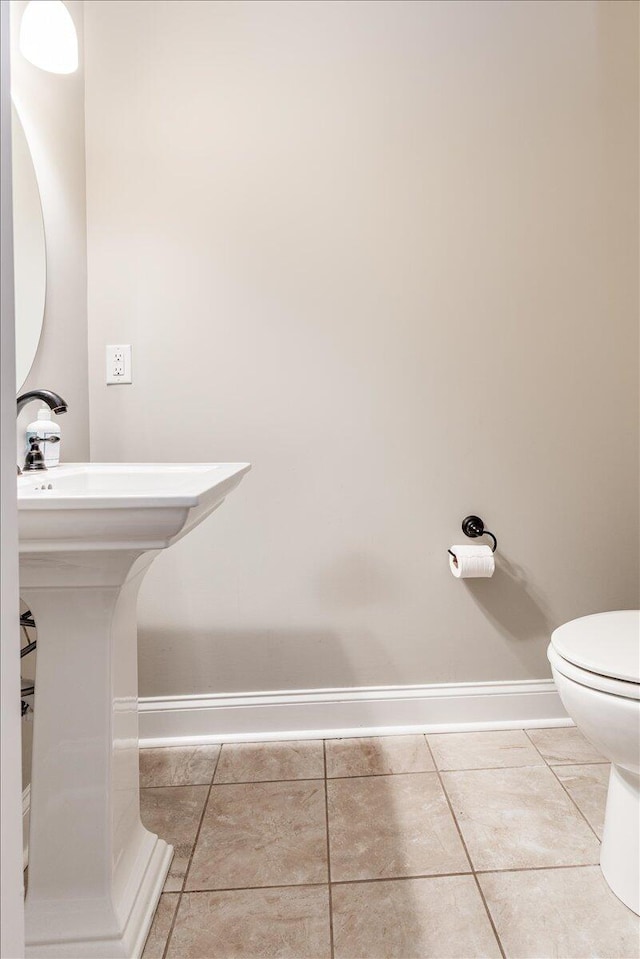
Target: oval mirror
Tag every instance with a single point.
(29, 252)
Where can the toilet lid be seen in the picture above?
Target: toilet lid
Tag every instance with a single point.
(606, 643)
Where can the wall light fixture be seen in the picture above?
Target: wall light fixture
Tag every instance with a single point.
(48, 37)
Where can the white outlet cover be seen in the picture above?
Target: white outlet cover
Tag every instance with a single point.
(118, 364)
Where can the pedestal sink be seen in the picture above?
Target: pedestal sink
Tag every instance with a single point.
(88, 533)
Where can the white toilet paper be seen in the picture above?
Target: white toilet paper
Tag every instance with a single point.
(470, 561)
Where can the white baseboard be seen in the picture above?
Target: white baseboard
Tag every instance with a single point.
(362, 711)
(26, 811)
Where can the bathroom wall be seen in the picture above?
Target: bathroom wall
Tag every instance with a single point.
(387, 252)
(51, 109)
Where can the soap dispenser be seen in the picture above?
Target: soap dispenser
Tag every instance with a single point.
(48, 435)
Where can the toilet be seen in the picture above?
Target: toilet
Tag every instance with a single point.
(595, 662)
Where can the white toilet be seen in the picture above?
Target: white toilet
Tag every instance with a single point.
(596, 666)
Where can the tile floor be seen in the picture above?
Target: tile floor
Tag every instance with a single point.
(416, 847)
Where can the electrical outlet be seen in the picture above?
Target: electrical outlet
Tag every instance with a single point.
(118, 364)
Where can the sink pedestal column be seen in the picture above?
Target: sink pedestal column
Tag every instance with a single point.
(95, 873)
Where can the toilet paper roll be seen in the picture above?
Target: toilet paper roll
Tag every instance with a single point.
(471, 561)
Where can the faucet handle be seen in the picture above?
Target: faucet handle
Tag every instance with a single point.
(34, 459)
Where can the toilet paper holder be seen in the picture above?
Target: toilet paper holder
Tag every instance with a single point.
(473, 527)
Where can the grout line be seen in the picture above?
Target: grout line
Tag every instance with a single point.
(252, 782)
(579, 865)
(193, 849)
(421, 772)
(326, 811)
(193, 748)
(558, 780)
(173, 786)
(204, 809)
(428, 875)
(544, 759)
(408, 772)
(280, 885)
(464, 845)
(173, 921)
(534, 746)
(360, 882)
(594, 762)
(453, 815)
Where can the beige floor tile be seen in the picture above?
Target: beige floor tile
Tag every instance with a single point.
(375, 757)
(519, 818)
(174, 812)
(587, 786)
(508, 747)
(253, 924)
(442, 918)
(160, 927)
(178, 765)
(570, 913)
(257, 762)
(389, 826)
(564, 745)
(261, 834)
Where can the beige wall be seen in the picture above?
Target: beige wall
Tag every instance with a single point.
(51, 108)
(388, 252)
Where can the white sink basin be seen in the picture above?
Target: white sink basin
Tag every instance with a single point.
(87, 535)
(89, 506)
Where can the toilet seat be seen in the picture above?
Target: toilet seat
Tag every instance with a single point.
(601, 651)
(605, 643)
(604, 684)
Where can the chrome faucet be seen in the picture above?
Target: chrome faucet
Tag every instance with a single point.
(35, 459)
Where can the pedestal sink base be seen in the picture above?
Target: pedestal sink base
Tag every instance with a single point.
(130, 942)
(87, 537)
(95, 872)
